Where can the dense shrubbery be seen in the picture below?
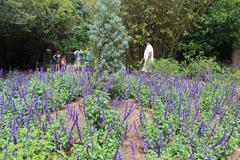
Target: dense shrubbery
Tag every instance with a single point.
(167, 66)
(215, 32)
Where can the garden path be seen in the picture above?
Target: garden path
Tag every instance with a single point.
(132, 135)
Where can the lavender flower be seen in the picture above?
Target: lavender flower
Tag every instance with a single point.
(132, 150)
(220, 141)
(160, 143)
(56, 140)
(88, 153)
(116, 154)
(136, 130)
(108, 84)
(115, 101)
(191, 157)
(71, 140)
(78, 156)
(146, 146)
(202, 128)
(78, 128)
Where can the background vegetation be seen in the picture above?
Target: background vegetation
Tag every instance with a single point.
(180, 29)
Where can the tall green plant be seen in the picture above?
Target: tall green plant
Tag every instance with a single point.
(215, 31)
(108, 36)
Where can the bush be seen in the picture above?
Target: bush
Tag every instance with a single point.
(202, 67)
(166, 66)
(215, 31)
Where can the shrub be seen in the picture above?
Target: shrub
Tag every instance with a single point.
(202, 67)
(166, 66)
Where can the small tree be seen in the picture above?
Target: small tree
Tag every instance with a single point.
(108, 36)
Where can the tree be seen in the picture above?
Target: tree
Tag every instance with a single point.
(216, 32)
(28, 28)
(164, 21)
(108, 36)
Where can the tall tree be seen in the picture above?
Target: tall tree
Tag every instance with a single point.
(164, 21)
(216, 32)
(108, 36)
(27, 28)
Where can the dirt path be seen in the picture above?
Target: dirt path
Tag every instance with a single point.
(235, 155)
(132, 143)
(68, 112)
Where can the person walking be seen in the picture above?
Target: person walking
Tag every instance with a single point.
(77, 56)
(148, 57)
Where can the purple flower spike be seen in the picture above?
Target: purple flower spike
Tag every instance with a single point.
(220, 141)
(71, 140)
(78, 156)
(116, 155)
(191, 157)
(132, 150)
(108, 84)
(202, 128)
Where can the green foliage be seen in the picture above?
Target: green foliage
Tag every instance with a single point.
(44, 23)
(215, 31)
(202, 67)
(98, 147)
(32, 143)
(108, 36)
(123, 85)
(164, 21)
(185, 139)
(98, 112)
(50, 18)
(166, 66)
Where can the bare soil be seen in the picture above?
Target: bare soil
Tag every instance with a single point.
(132, 135)
(76, 107)
(235, 155)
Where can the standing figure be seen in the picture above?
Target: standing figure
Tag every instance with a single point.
(77, 56)
(63, 63)
(57, 58)
(148, 57)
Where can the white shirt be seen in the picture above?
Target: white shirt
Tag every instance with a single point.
(148, 50)
(77, 55)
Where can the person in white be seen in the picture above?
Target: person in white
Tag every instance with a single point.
(77, 55)
(148, 57)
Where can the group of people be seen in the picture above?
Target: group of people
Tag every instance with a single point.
(60, 62)
(148, 59)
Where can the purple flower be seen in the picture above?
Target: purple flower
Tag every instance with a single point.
(117, 154)
(109, 130)
(88, 153)
(146, 146)
(56, 139)
(127, 113)
(71, 140)
(115, 101)
(136, 130)
(108, 84)
(220, 141)
(191, 157)
(169, 135)
(202, 128)
(78, 128)
(132, 150)
(141, 116)
(160, 143)
(78, 156)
